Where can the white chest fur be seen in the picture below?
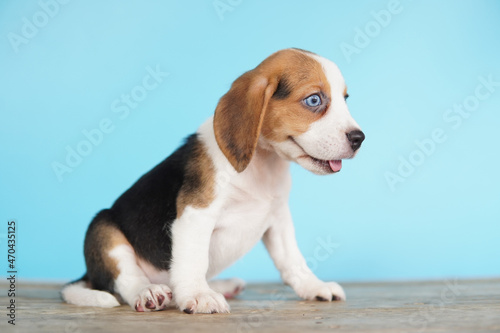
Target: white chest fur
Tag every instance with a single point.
(249, 203)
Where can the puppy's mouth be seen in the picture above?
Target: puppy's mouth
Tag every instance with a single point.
(331, 166)
(327, 166)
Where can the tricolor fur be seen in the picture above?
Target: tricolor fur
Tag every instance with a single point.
(226, 188)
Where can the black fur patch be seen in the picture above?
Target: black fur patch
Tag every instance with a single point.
(283, 90)
(144, 214)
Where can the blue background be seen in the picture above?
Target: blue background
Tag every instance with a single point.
(441, 221)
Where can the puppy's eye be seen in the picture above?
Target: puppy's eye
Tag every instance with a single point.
(313, 101)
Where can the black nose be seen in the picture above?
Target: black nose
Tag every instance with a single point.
(355, 138)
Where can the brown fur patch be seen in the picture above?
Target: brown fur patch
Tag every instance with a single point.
(102, 238)
(239, 115)
(268, 100)
(287, 116)
(199, 181)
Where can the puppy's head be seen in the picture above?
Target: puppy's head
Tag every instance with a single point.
(294, 104)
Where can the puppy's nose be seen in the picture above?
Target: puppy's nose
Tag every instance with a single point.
(355, 138)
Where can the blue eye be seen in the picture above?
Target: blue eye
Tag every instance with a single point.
(313, 101)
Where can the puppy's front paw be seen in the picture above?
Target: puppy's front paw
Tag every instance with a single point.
(154, 297)
(206, 301)
(322, 291)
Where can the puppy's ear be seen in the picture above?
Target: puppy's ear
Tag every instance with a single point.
(239, 115)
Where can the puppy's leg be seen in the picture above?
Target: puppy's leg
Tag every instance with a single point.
(191, 234)
(230, 288)
(134, 286)
(280, 241)
(112, 266)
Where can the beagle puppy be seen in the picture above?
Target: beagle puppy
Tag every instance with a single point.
(222, 191)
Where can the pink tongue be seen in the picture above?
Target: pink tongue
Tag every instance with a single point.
(336, 165)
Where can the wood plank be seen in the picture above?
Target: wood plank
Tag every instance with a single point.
(439, 306)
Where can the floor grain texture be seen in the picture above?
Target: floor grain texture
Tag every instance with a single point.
(439, 306)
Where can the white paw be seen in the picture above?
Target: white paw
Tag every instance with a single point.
(230, 288)
(154, 297)
(322, 291)
(106, 300)
(206, 301)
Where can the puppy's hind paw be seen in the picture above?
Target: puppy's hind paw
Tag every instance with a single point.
(154, 297)
(230, 288)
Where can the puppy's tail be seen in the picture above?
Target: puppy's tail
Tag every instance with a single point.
(79, 293)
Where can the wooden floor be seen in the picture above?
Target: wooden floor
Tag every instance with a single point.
(444, 306)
